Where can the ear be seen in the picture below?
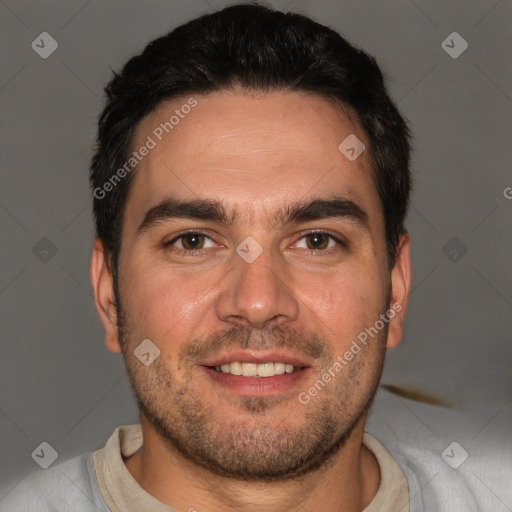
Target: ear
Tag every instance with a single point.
(102, 284)
(400, 288)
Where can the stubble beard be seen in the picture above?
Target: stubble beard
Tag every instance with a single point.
(255, 447)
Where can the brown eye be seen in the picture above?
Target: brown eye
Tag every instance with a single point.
(317, 240)
(320, 241)
(192, 241)
(188, 242)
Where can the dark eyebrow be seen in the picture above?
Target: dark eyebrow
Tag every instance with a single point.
(200, 209)
(318, 209)
(213, 210)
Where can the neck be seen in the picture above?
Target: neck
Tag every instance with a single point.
(348, 482)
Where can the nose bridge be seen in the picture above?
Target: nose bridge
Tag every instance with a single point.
(255, 292)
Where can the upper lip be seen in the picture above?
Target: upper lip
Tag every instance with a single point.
(256, 357)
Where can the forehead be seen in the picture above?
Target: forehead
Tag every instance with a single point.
(253, 153)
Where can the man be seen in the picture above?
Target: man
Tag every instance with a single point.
(251, 264)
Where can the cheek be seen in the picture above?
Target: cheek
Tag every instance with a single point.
(161, 304)
(346, 301)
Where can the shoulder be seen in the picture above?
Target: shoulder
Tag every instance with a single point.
(70, 485)
(447, 466)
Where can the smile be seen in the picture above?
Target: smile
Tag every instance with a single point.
(256, 370)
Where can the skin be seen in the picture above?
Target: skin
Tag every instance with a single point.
(207, 447)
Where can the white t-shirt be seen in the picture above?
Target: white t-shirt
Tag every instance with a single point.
(100, 482)
(414, 476)
(122, 493)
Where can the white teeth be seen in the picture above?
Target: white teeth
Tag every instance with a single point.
(249, 369)
(266, 370)
(279, 368)
(235, 368)
(256, 370)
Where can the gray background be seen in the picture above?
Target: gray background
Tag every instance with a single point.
(59, 384)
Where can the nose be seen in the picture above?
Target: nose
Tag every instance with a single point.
(257, 294)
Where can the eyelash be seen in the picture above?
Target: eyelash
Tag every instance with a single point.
(197, 252)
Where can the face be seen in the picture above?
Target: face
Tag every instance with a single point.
(253, 256)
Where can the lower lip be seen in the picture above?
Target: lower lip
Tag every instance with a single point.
(254, 386)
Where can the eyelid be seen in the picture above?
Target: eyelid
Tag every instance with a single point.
(339, 239)
(185, 233)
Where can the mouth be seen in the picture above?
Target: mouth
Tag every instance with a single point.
(252, 374)
(261, 370)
